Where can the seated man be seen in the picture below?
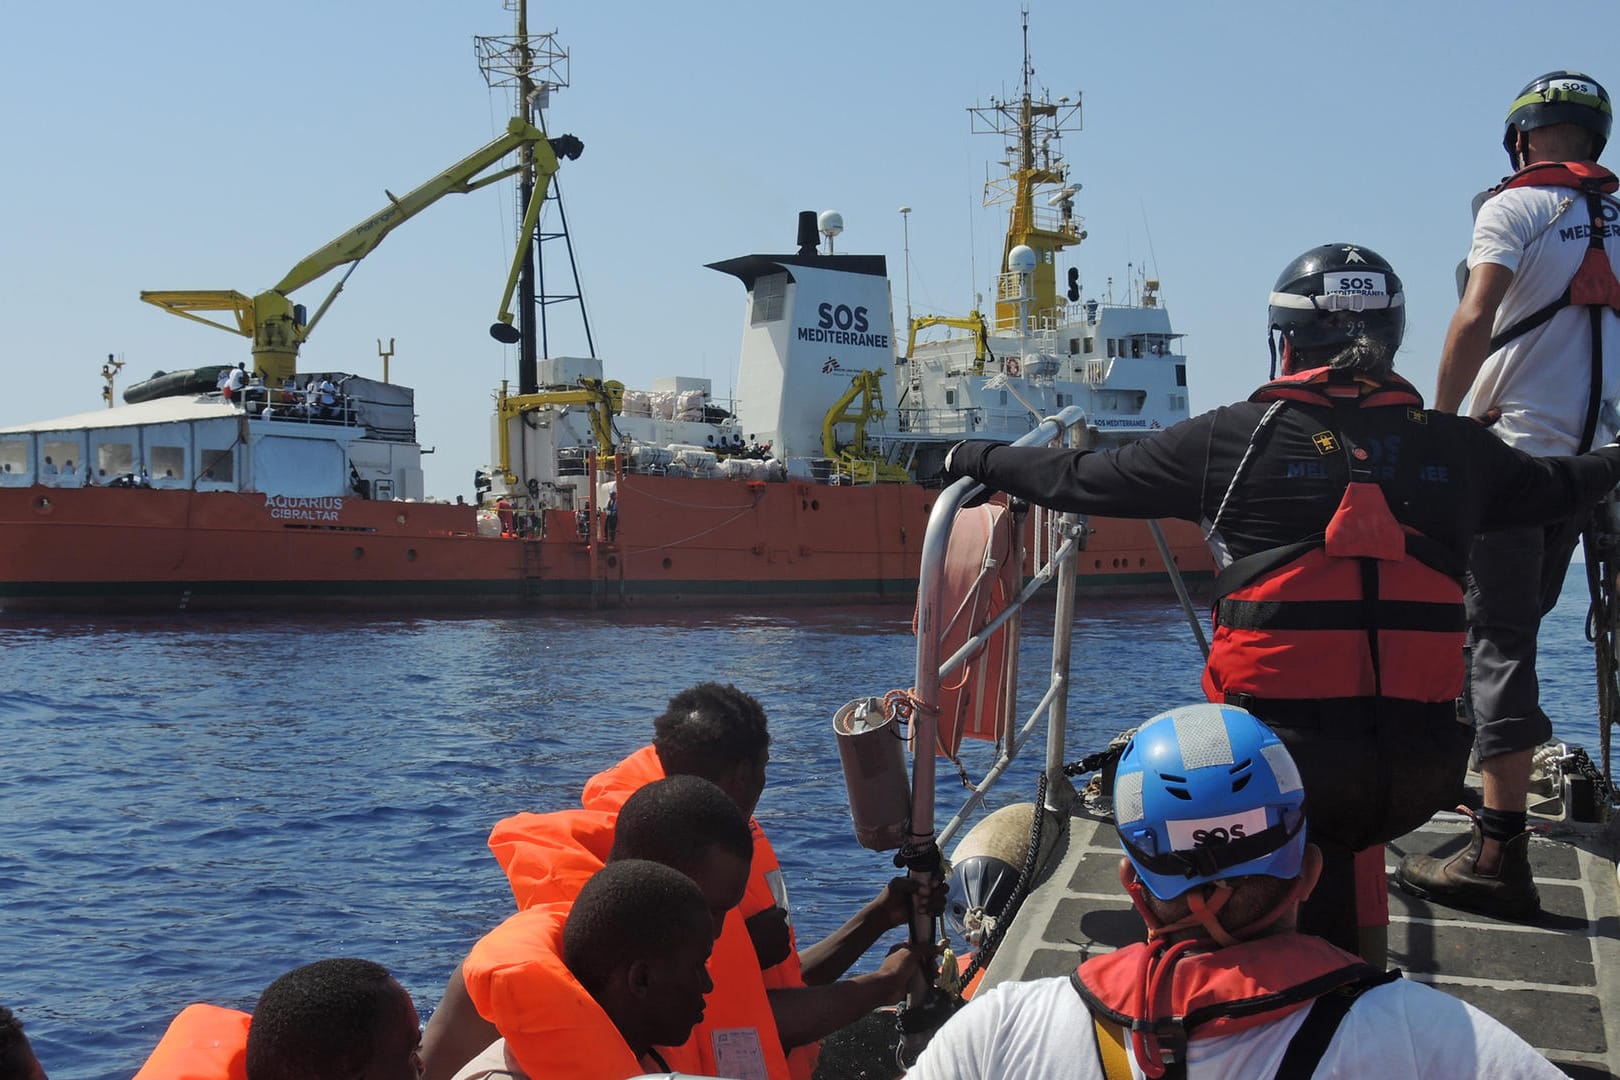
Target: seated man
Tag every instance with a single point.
(603, 982)
(1210, 816)
(683, 822)
(329, 1020)
(17, 1060)
(720, 733)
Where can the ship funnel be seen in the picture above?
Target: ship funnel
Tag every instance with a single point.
(809, 232)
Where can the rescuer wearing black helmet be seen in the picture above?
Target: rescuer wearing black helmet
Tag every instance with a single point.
(1364, 310)
(1340, 512)
(1535, 347)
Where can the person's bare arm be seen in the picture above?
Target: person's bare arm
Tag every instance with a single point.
(456, 1033)
(806, 1014)
(1468, 338)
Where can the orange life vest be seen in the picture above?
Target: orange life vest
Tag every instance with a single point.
(517, 980)
(549, 857)
(205, 1042)
(1216, 992)
(1367, 609)
(609, 789)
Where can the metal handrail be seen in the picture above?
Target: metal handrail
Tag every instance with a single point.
(930, 672)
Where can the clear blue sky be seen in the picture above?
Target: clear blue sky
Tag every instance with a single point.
(181, 144)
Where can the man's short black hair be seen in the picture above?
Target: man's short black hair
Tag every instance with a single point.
(710, 729)
(320, 1021)
(630, 909)
(676, 820)
(15, 1053)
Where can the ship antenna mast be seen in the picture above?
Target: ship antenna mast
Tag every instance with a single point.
(1032, 129)
(533, 66)
(109, 373)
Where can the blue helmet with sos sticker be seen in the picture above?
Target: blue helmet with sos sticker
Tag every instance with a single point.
(1206, 792)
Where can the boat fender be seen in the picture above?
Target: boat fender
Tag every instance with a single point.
(986, 865)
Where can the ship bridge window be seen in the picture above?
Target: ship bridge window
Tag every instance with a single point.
(1090, 346)
(1113, 347)
(114, 459)
(950, 396)
(58, 459)
(167, 465)
(215, 465)
(1181, 374)
(1136, 348)
(13, 459)
(770, 296)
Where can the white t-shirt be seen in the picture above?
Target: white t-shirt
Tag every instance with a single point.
(493, 1064)
(1541, 379)
(1041, 1030)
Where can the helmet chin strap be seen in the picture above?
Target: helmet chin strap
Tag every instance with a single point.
(1204, 904)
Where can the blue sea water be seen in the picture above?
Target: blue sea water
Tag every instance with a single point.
(193, 806)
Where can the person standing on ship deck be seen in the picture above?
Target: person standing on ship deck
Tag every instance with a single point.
(1328, 480)
(1535, 346)
(235, 381)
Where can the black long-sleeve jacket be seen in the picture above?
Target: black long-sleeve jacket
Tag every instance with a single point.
(1444, 476)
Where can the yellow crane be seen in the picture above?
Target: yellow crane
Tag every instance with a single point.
(854, 457)
(277, 326)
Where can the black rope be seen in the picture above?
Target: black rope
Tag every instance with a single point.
(1026, 874)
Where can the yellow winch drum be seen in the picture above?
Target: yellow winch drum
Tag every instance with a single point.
(872, 752)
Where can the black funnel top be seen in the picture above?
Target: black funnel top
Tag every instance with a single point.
(808, 233)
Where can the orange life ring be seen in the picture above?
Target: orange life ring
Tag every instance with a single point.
(1010, 365)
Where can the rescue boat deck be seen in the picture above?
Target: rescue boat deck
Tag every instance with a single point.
(1556, 982)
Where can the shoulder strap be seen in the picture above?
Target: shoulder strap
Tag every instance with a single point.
(1327, 1012)
(1116, 1064)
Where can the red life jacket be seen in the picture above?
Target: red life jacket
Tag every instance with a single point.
(205, 1042)
(1217, 992)
(1594, 286)
(1369, 608)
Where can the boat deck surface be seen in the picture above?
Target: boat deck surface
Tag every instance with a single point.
(1556, 982)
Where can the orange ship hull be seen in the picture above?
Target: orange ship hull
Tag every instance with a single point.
(678, 541)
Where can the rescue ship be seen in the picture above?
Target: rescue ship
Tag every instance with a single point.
(287, 489)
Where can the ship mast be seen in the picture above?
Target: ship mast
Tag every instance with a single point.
(1034, 126)
(534, 66)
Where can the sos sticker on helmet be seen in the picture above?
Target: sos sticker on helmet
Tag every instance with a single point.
(1573, 86)
(1354, 283)
(1211, 831)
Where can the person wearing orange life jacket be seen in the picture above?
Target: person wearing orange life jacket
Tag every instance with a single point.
(601, 983)
(330, 1020)
(1535, 347)
(720, 733)
(1212, 821)
(683, 822)
(1341, 513)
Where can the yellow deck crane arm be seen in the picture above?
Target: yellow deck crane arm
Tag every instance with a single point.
(603, 398)
(275, 323)
(973, 323)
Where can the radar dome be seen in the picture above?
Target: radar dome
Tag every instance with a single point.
(830, 222)
(1021, 259)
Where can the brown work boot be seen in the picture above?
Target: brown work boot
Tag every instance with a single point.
(1510, 893)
